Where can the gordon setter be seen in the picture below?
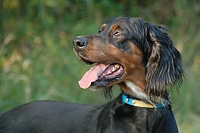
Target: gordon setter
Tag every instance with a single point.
(134, 54)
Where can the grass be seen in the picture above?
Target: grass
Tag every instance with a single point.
(37, 61)
(186, 104)
(50, 72)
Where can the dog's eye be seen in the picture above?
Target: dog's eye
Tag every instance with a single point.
(100, 30)
(118, 34)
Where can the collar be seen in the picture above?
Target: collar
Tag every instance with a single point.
(140, 103)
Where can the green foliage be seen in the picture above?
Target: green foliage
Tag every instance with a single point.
(37, 59)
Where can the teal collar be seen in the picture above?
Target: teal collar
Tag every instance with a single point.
(140, 103)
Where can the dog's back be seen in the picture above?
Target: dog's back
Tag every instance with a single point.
(49, 116)
(113, 117)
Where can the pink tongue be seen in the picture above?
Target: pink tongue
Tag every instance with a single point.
(91, 75)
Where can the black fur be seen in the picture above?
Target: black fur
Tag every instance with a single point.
(113, 117)
(163, 69)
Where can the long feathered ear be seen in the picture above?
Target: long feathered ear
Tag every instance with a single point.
(163, 68)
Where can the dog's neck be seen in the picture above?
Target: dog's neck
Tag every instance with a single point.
(134, 91)
(139, 103)
(137, 91)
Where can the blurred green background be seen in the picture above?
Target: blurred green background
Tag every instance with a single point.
(36, 52)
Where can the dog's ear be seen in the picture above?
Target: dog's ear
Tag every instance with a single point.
(163, 67)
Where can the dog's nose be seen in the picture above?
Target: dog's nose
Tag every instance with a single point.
(80, 42)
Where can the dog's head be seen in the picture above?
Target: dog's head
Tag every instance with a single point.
(136, 55)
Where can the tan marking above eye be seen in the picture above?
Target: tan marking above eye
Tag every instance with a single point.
(102, 28)
(115, 30)
(114, 27)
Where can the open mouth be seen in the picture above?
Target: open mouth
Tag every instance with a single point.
(101, 75)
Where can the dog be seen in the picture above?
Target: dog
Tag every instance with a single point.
(129, 52)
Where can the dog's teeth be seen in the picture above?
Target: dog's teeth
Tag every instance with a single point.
(113, 69)
(109, 72)
(117, 66)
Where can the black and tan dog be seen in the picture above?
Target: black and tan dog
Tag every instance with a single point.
(136, 55)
